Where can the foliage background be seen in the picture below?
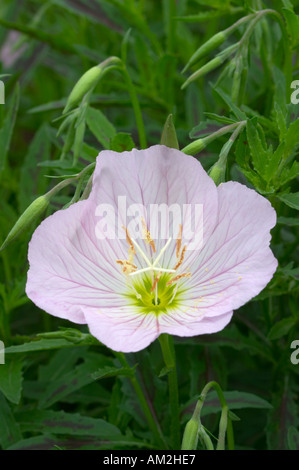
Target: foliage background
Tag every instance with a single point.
(59, 388)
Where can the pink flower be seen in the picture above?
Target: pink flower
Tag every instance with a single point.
(128, 289)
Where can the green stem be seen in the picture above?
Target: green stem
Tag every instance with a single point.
(168, 352)
(225, 425)
(153, 424)
(136, 107)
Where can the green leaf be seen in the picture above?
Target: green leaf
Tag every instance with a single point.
(292, 21)
(59, 422)
(169, 137)
(100, 126)
(112, 372)
(235, 401)
(290, 221)
(10, 430)
(11, 379)
(240, 115)
(8, 126)
(75, 379)
(122, 142)
(281, 328)
(40, 345)
(261, 156)
(291, 200)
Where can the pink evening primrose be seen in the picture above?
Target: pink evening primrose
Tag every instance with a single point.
(156, 248)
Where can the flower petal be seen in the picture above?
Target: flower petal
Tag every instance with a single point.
(236, 263)
(122, 330)
(70, 268)
(162, 176)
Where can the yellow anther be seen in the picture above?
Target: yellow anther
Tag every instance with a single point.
(129, 240)
(179, 241)
(181, 258)
(127, 266)
(147, 235)
(156, 280)
(176, 278)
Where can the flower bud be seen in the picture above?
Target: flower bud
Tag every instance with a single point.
(190, 437)
(83, 85)
(207, 47)
(88, 80)
(211, 65)
(27, 218)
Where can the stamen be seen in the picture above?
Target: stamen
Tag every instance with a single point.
(181, 258)
(176, 278)
(127, 266)
(156, 280)
(129, 240)
(147, 235)
(179, 241)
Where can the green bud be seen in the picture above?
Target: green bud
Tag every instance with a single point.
(88, 81)
(190, 437)
(36, 208)
(83, 85)
(27, 218)
(207, 47)
(211, 65)
(169, 137)
(195, 147)
(217, 173)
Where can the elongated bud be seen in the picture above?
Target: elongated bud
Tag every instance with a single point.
(169, 137)
(218, 170)
(213, 64)
(215, 42)
(200, 144)
(190, 437)
(88, 81)
(207, 47)
(35, 210)
(27, 218)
